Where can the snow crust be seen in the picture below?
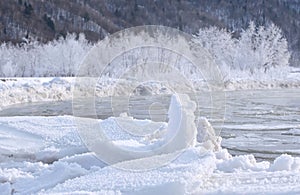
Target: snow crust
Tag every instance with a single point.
(62, 164)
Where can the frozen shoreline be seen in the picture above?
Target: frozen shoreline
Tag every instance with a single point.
(26, 90)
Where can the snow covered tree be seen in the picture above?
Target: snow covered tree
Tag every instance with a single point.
(258, 49)
(262, 48)
(60, 57)
(219, 43)
(245, 57)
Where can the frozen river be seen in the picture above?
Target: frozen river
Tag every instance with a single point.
(256, 122)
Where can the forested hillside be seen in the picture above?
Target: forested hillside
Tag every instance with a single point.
(47, 20)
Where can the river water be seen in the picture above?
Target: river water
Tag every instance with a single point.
(250, 121)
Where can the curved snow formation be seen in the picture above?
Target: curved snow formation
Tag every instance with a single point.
(172, 138)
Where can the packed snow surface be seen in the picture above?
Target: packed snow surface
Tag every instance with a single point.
(46, 155)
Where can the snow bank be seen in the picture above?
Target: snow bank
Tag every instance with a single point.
(24, 90)
(243, 84)
(196, 170)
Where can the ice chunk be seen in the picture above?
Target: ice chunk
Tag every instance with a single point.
(206, 135)
(181, 126)
(180, 134)
(243, 162)
(286, 162)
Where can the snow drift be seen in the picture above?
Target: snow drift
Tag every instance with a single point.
(46, 155)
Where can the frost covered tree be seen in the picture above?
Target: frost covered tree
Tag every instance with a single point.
(262, 48)
(219, 43)
(258, 49)
(245, 57)
(60, 57)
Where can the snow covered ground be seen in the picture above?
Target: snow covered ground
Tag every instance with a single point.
(45, 155)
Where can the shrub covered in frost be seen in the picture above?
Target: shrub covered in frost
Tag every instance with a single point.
(258, 51)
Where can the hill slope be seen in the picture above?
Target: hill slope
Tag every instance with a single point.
(47, 20)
